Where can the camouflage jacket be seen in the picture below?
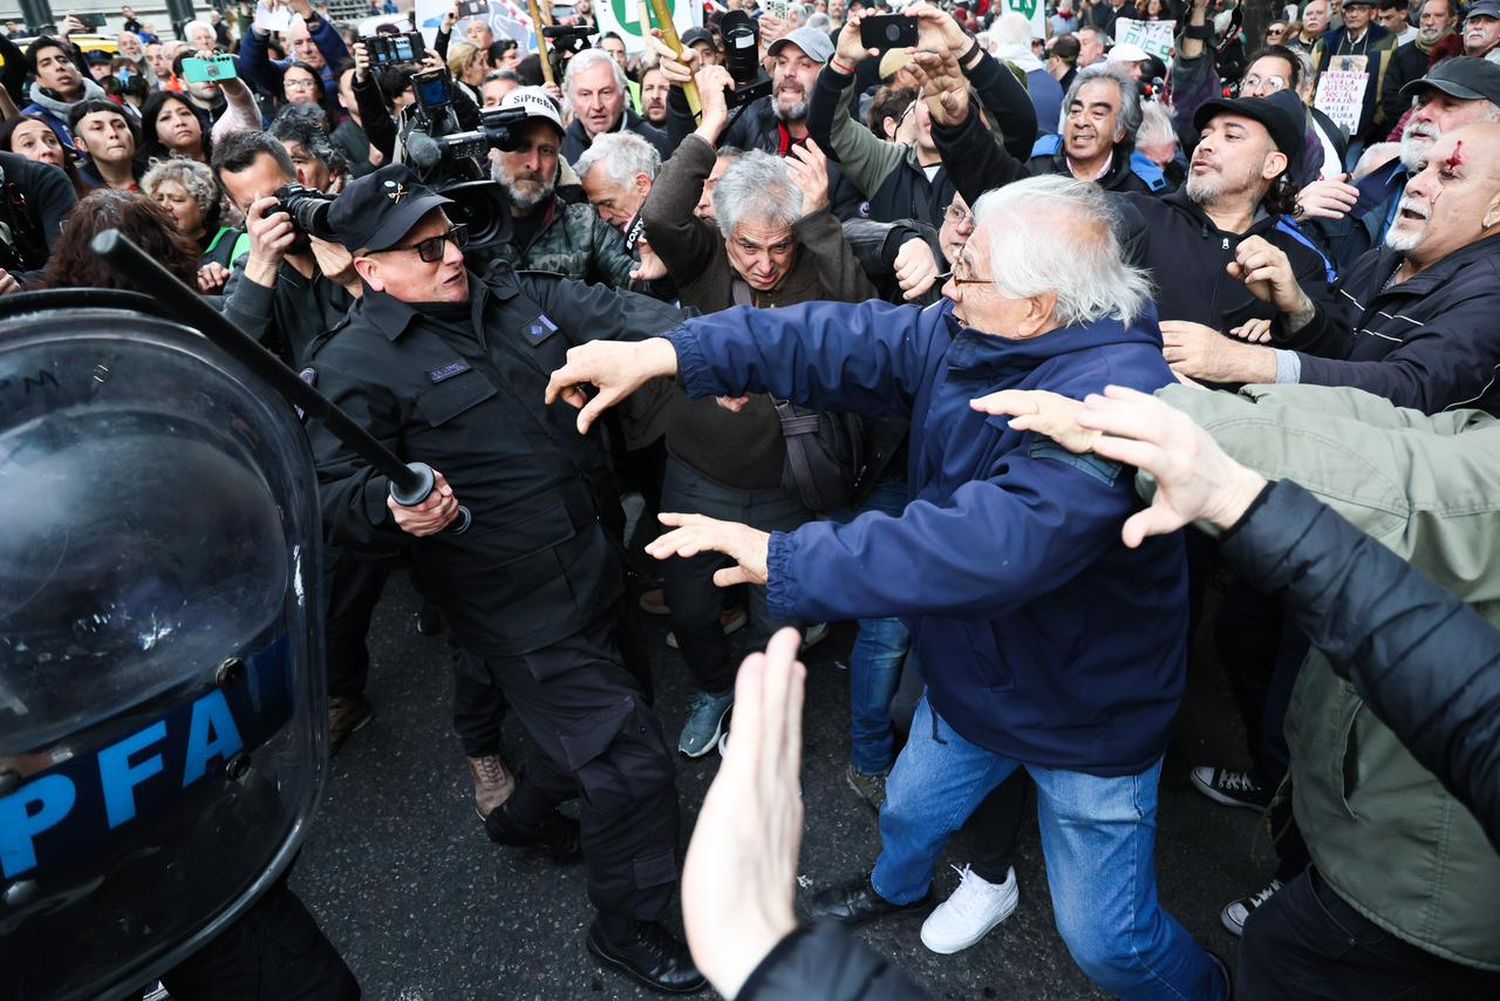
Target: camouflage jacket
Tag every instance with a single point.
(575, 243)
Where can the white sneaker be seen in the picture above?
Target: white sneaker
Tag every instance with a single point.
(969, 914)
(1233, 917)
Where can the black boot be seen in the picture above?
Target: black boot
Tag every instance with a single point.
(556, 837)
(650, 955)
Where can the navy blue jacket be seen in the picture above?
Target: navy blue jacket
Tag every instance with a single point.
(1041, 636)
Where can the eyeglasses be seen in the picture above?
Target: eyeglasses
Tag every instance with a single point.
(1274, 83)
(300, 84)
(958, 216)
(431, 249)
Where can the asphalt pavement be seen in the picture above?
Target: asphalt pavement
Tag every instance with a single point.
(425, 908)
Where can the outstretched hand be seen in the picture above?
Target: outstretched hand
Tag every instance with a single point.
(1045, 413)
(740, 877)
(696, 533)
(1195, 479)
(616, 368)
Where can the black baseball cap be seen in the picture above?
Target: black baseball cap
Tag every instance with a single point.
(1288, 129)
(1463, 77)
(376, 211)
(693, 36)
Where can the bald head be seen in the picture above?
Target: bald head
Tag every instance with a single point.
(1453, 200)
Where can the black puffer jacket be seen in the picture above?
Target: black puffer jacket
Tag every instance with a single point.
(1425, 662)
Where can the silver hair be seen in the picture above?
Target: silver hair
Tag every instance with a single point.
(1156, 125)
(587, 60)
(196, 179)
(1011, 29)
(187, 29)
(1082, 263)
(1130, 97)
(757, 186)
(621, 156)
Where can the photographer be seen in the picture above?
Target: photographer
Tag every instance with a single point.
(291, 286)
(387, 135)
(596, 86)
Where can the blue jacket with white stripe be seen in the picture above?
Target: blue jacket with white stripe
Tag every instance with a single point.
(1429, 343)
(1041, 636)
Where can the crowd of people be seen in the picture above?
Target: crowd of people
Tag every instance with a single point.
(873, 334)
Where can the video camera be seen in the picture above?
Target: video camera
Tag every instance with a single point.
(497, 130)
(742, 59)
(455, 159)
(563, 43)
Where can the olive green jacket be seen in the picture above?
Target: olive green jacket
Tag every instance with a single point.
(1381, 829)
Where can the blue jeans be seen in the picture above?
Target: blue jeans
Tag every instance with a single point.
(875, 662)
(1099, 841)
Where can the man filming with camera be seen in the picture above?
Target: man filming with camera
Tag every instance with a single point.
(451, 368)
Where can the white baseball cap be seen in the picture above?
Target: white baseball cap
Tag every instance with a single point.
(1127, 52)
(536, 102)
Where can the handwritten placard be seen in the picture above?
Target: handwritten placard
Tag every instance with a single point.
(1153, 36)
(1341, 96)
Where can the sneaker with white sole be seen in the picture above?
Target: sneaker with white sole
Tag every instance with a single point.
(1234, 916)
(1232, 788)
(968, 915)
(705, 724)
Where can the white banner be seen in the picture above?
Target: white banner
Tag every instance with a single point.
(1034, 11)
(1153, 36)
(506, 20)
(623, 17)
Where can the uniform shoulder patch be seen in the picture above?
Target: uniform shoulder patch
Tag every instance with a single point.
(1103, 470)
(540, 329)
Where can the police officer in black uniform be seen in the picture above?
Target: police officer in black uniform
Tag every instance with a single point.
(449, 369)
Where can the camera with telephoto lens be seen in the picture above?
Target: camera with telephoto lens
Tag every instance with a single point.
(742, 59)
(307, 207)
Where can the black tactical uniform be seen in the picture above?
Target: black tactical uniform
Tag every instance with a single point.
(532, 591)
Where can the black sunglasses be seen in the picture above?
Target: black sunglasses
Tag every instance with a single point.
(431, 249)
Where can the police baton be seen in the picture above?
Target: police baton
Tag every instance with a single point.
(411, 482)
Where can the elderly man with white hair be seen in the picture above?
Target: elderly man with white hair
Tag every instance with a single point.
(617, 172)
(1007, 562)
(598, 91)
